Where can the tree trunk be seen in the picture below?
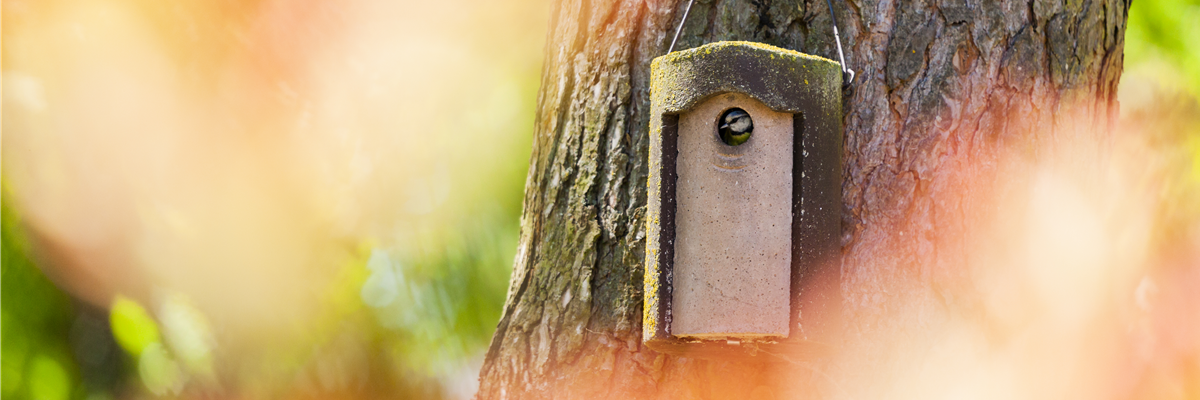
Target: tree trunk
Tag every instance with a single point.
(944, 89)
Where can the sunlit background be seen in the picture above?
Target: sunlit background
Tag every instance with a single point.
(306, 199)
(260, 198)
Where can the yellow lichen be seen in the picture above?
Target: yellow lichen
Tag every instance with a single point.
(716, 46)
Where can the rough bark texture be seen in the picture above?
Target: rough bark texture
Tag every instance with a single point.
(944, 87)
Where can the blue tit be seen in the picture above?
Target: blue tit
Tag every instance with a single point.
(735, 126)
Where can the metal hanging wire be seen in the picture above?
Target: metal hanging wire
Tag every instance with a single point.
(842, 57)
(680, 28)
(836, 37)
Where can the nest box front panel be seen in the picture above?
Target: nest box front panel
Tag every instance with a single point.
(733, 221)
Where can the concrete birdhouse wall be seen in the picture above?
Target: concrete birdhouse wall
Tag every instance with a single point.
(744, 199)
(733, 215)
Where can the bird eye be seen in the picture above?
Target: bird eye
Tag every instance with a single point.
(734, 126)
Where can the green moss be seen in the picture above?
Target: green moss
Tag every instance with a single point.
(775, 76)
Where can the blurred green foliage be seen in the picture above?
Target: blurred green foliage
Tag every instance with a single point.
(1159, 93)
(35, 321)
(48, 379)
(442, 299)
(1167, 125)
(412, 309)
(1165, 35)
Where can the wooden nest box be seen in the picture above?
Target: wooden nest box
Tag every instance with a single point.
(744, 218)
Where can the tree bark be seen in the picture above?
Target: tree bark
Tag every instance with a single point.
(944, 89)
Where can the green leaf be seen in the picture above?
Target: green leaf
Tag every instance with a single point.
(159, 372)
(132, 326)
(48, 380)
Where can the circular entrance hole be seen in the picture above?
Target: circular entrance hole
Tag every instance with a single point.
(735, 126)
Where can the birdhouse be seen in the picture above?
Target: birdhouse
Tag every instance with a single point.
(744, 199)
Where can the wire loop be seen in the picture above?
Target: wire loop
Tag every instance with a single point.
(836, 37)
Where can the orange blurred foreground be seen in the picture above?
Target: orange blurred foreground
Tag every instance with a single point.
(233, 166)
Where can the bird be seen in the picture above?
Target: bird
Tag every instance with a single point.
(736, 126)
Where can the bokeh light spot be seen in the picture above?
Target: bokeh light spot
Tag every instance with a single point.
(48, 380)
(132, 326)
